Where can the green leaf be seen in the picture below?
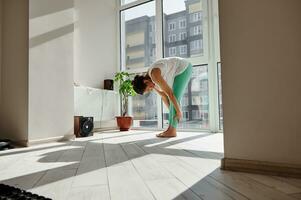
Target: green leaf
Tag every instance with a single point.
(125, 86)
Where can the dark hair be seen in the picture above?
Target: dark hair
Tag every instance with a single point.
(138, 84)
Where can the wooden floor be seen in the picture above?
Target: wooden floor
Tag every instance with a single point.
(136, 165)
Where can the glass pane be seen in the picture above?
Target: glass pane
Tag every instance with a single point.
(143, 108)
(123, 2)
(195, 101)
(138, 36)
(184, 28)
(220, 103)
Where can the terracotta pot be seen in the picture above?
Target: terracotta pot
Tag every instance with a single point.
(124, 123)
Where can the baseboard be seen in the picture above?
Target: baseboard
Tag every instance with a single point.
(51, 139)
(97, 130)
(20, 143)
(105, 124)
(261, 167)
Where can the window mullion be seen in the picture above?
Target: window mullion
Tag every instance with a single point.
(159, 53)
(212, 75)
(159, 29)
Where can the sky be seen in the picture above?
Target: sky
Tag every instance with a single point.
(169, 6)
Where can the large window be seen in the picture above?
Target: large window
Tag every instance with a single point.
(138, 48)
(152, 29)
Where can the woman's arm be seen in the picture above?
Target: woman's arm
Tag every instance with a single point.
(157, 78)
(164, 97)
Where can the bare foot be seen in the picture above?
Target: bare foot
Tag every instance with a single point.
(162, 134)
(170, 132)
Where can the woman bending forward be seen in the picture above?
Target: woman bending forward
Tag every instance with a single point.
(169, 77)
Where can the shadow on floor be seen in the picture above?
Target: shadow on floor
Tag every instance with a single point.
(108, 155)
(64, 143)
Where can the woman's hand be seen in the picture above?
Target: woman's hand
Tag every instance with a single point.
(178, 116)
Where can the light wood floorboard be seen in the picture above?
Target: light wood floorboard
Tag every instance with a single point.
(137, 165)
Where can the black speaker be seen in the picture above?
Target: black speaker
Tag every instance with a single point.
(108, 84)
(5, 144)
(83, 126)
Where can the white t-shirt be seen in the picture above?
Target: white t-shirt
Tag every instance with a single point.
(170, 68)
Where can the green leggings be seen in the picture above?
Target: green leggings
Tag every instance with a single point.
(178, 88)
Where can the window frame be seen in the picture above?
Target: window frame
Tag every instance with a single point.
(196, 45)
(172, 38)
(181, 34)
(173, 26)
(173, 50)
(195, 17)
(211, 28)
(184, 22)
(184, 47)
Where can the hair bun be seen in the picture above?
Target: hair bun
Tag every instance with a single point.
(137, 77)
(138, 84)
(135, 80)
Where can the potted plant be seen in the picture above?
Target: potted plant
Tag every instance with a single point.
(126, 90)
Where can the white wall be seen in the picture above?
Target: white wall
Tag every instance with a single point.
(261, 67)
(14, 70)
(1, 22)
(37, 62)
(95, 40)
(50, 68)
